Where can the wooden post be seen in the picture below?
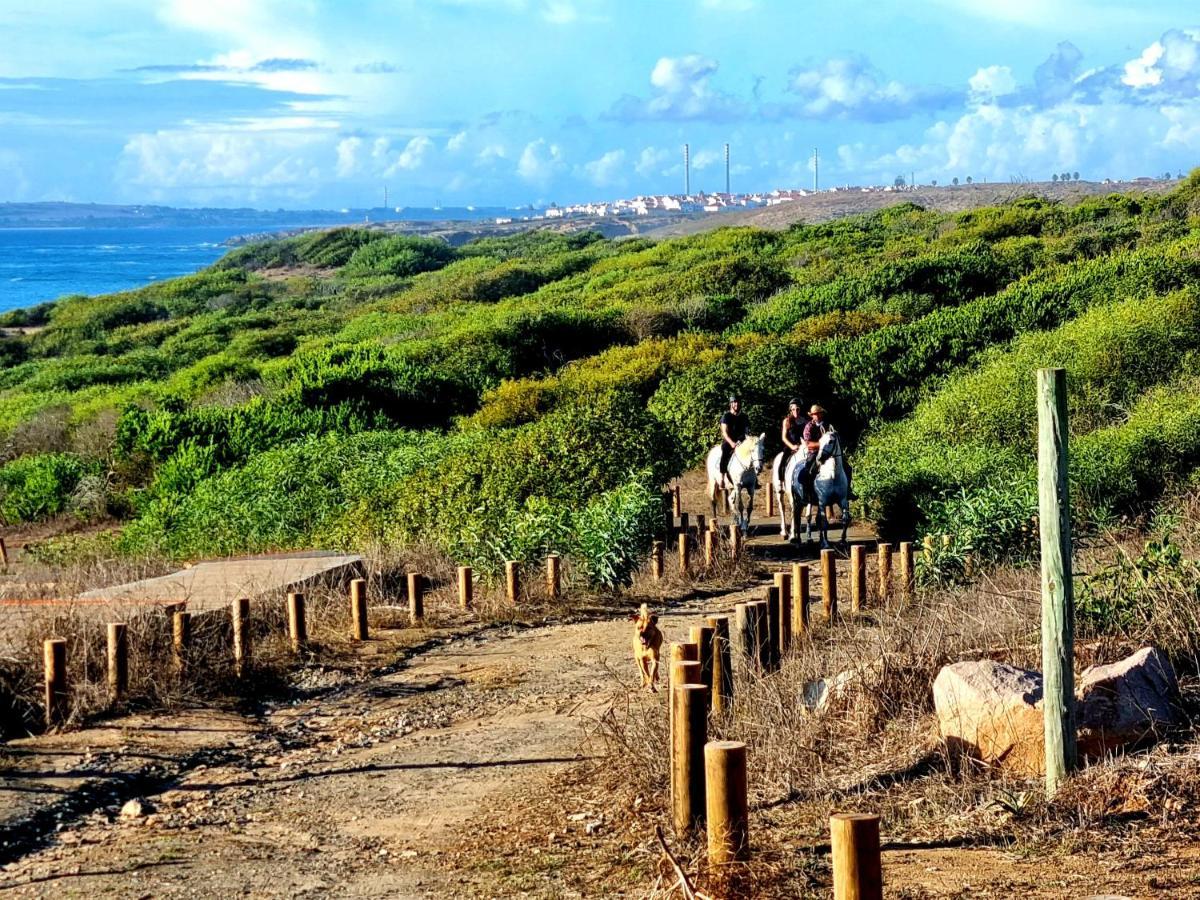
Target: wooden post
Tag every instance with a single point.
(684, 553)
(181, 640)
(762, 631)
(297, 628)
(783, 581)
(512, 582)
(728, 809)
(885, 573)
(416, 598)
(358, 610)
(676, 501)
(54, 661)
(240, 614)
(680, 652)
(699, 524)
(745, 625)
(907, 571)
(656, 560)
(118, 661)
(858, 578)
(774, 639)
(799, 599)
(668, 516)
(1058, 601)
(466, 588)
(710, 550)
(3, 554)
(689, 725)
(702, 637)
(857, 873)
(722, 664)
(829, 596)
(683, 523)
(735, 542)
(554, 577)
(686, 671)
(771, 499)
(927, 545)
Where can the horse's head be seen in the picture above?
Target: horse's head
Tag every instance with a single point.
(758, 452)
(829, 445)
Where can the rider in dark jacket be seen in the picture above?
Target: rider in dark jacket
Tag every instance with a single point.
(735, 425)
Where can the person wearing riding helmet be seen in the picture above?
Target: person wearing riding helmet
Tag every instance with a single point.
(735, 425)
(792, 433)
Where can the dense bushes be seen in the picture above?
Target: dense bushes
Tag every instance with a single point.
(35, 487)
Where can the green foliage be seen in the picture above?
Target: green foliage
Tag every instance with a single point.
(35, 487)
(401, 255)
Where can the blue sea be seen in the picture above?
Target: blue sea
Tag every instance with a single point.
(39, 264)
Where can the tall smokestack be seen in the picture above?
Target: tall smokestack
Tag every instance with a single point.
(816, 169)
(687, 170)
(727, 170)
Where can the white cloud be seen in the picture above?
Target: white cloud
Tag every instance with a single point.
(651, 161)
(412, 156)
(347, 156)
(540, 162)
(851, 88)
(702, 159)
(681, 91)
(1172, 63)
(991, 82)
(457, 142)
(609, 169)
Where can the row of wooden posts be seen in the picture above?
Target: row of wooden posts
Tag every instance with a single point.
(56, 689)
(708, 778)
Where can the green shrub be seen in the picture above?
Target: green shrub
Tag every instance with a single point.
(37, 487)
(401, 255)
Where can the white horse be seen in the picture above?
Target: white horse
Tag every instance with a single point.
(744, 466)
(831, 486)
(787, 518)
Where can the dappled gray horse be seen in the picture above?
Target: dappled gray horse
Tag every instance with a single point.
(830, 486)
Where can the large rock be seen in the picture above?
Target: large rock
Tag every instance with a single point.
(1126, 702)
(992, 712)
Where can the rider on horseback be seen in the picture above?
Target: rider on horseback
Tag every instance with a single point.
(813, 432)
(792, 433)
(735, 425)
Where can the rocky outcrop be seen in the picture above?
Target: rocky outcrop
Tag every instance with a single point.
(1126, 702)
(992, 712)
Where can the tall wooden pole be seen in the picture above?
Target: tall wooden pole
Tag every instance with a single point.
(554, 577)
(728, 809)
(416, 598)
(907, 571)
(512, 582)
(297, 627)
(1058, 602)
(722, 665)
(689, 727)
(858, 578)
(885, 573)
(239, 612)
(829, 595)
(54, 661)
(118, 661)
(799, 599)
(854, 842)
(358, 609)
(466, 588)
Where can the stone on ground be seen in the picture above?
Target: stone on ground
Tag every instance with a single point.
(1125, 702)
(992, 712)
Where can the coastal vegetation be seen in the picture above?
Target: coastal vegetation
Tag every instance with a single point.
(527, 394)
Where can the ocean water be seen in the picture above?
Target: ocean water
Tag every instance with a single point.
(39, 264)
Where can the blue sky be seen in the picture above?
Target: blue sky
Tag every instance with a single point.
(304, 103)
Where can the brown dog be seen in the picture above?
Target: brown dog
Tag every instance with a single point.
(647, 641)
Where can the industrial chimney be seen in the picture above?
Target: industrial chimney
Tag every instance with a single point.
(687, 171)
(727, 193)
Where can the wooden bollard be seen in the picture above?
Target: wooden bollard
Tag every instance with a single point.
(359, 630)
(668, 516)
(722, 664)
(829, 584)
(762, 631)
(702, 637)
(854, 841)
(181, 639)
(54, 661)
(466, 588)
(689, 727)
(710, 550)
(686, 671)
(799, 599)
(554, 577)
(239, 613)
(684, 553)
(783, 581)
(512, 582)
(735, 542)
(745, 624)
(680, 652)
(771, 499)
(907, 582)
(676, 501)
(656, 560)
(3, 554)
(118, 661)
(683, 523)
(774, 641)
(297, 627)
(858, 578)
(884, 554)
(927, 545)
(416, 598)
(700, 526)
(727, 804)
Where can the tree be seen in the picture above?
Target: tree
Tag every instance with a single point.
(899, 182)
(933, 183)
(1074, 176)
(954, 181)
(968, 179)
(1054, 177)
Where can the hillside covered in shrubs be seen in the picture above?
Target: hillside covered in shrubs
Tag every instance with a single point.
(352, 388)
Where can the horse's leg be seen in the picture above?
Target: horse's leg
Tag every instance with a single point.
(749, 508)
(845, 521)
